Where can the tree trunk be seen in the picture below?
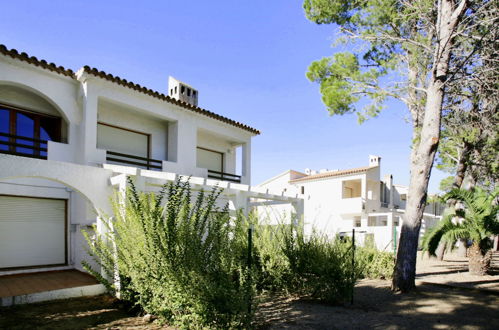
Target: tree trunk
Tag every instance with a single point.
(423, 153)
(462, 166)
(478, 263)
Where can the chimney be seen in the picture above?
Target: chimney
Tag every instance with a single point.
(374, 160)
(182, 92)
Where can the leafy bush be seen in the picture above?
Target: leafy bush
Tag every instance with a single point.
(185, 260)
(179, 260)
(320, 267)
(313, 266)
(374, 264)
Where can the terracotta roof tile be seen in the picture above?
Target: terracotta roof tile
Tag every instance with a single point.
(33, 60)
(120, 81)
(331, 174)
(139, 88)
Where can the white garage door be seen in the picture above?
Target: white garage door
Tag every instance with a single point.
(32, 232)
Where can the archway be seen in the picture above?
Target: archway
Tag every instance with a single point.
(29, 200)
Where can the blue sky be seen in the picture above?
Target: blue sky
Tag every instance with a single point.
(247, 59)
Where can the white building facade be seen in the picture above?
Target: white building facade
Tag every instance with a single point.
(337, 201)
(69, 139)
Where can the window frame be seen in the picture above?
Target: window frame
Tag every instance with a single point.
(132, 131)
(218, 152)
(37, 116)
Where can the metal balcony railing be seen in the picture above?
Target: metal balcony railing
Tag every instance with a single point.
(142, 162)
(23, 146)
(224, 176)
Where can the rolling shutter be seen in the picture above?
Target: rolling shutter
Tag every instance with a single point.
(122, 141)
(211, 160)
(32, 232)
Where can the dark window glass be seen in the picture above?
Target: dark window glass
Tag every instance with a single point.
(25, 127)
(4, 128)
(49, 129)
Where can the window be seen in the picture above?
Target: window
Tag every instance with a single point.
(171, 91)
(382, 220)
(175, 89)
(121, 140)
(182, 89)
(188, 92)
(302, 190)
(194, 93)
(25, 133)
(403, 197)
(357, 221)
(210, 159)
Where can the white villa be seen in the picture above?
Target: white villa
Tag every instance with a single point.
(69, 139)
(337, 201)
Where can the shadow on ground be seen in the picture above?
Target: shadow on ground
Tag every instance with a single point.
(98, 312)
(376, 307)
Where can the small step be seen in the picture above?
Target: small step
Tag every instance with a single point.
(81, 291)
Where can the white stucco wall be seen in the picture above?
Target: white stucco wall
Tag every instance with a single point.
(83, 102)
(124, 117)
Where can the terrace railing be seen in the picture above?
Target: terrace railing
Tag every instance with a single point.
(23, 146)
(142, 162)
(224, 176)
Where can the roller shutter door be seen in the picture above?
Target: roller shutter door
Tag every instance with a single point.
(32, 232)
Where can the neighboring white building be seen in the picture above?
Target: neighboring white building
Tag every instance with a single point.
(68, 139)
(336, 201)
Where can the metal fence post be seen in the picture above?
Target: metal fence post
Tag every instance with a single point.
(353, 265)
(250, 243)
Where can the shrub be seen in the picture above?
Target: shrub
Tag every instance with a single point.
(321, 268)
(179, 260)
(313, 266)
(185, 260)
(374, 264)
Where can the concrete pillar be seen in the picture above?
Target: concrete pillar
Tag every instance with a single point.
(186, 144)
(88, 126)
(172, 151)
(246, 163)
(363, 194)
(239, 202)
(299, 210)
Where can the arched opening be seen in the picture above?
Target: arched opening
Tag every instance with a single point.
(41, 223)
(28, 120)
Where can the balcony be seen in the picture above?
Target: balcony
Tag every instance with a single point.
(351, 205)
(23, 146)
(136, 161)
(224, 176)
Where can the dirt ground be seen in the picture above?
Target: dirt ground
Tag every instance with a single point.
(431, 306)
(100, 312)
(376, 307)
(447, 297)
(453, 270)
